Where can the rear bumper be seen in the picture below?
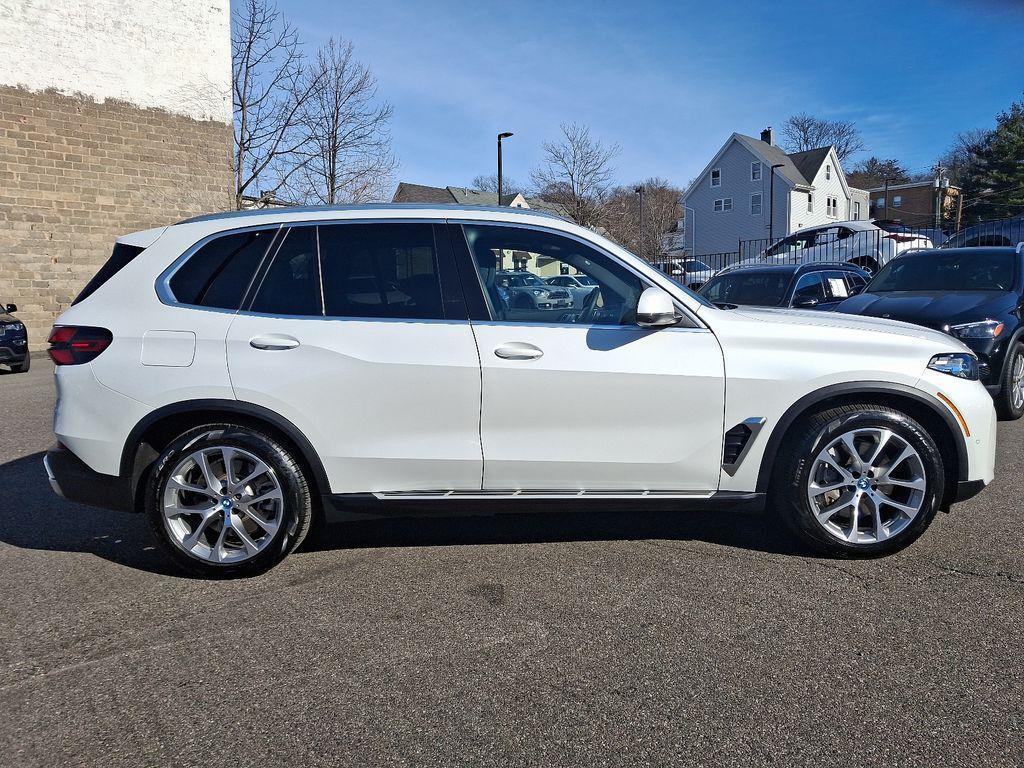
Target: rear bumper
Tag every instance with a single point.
(73, 480)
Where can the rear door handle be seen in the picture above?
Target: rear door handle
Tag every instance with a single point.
(273, 341)
(518, 350)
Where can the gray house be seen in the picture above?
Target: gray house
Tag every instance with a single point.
(730, 200)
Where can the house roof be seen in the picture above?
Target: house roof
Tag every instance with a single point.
(420, 193)
(809, 162)
(773, 155)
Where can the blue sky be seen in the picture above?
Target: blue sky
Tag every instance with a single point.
(669, 81)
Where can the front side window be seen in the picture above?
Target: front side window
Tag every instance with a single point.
(748, 287)
(716, 177)
(380, 270)
(836, 286)
(516, 292)
(218, 274)
(291, 284)
(755, 204)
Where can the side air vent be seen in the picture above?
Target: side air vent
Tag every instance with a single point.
(738, 441)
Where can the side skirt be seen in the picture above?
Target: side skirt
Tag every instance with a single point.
(369, 506)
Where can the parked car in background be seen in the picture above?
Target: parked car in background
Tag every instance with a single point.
(13, 341)
(524, 290)
(936, 236)
(860, 243)
(230, 380)
(805, 286)
(1005, 232)
(692, 273)
(975, 294)
(580, 286)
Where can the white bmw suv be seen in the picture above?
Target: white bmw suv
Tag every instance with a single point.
(238, 377)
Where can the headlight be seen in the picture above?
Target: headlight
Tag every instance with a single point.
(959, 364)
(537, 292)
(986, 329)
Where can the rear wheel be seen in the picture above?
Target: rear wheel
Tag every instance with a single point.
(1010, 402)
(226, 500)
(859, 480)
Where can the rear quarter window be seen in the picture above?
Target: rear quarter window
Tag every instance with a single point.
(218, 274)
(119, 259)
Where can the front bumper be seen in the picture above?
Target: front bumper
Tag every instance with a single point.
(13, 352)
(72, 479)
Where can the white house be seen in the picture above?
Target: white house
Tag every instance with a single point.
(731, 201)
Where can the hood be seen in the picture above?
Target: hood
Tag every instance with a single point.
(821, 319)
(931, 309)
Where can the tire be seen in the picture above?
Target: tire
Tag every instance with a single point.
(23, 367)
(199, 541)
(1010, 401)
(824, 519)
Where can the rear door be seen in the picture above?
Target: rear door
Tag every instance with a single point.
(357, 333)
(584, 399)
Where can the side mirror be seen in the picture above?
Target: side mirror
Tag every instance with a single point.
(805, 302)
(656, 309)
(12, 308)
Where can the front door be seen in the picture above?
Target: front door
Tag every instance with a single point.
(579, 397)
(349, 335)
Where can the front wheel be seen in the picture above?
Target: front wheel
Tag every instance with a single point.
(859, 480)
(1010, 402)
(226, 500)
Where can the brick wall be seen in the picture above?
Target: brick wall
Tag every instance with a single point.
(75, 174)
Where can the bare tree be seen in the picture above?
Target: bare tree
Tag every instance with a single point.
(803, 132)
(963, 153)
(662, 210)
(576, 172)
(269, 91)
(349, 142)
(485, 182)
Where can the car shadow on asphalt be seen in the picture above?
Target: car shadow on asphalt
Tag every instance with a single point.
(33, 517)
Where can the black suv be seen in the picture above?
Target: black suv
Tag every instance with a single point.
(815, 285)
(975, 294)
(13, 341)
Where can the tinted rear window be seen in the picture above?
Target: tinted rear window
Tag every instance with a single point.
(291, 285)
(380, 270)
(118, 260)
(218, 274)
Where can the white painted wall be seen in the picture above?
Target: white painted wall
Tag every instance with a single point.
(168, 54)
(826, 184)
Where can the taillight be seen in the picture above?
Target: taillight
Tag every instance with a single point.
(77, 344)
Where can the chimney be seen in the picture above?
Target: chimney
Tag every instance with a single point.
(768, 136)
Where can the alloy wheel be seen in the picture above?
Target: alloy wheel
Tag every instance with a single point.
(222, 504)
(867, 485)
(1017, 382)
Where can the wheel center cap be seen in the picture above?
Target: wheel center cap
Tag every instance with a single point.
(226, 504)
(863, 484)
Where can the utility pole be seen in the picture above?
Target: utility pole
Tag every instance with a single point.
(886, 199)
(939, 194)
(771, 204)
(501, 136)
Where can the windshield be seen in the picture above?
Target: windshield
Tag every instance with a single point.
(695, 266)
(947, 271)
(528, 279)
(761, 289)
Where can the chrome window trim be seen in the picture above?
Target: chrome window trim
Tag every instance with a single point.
(690, 315)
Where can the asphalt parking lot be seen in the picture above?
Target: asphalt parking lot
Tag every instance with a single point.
(597, 639)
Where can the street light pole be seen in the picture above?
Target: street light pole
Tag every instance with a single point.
(640, 240)
(771, 204)
(501, 136)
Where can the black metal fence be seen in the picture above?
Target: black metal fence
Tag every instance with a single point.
(868, 248)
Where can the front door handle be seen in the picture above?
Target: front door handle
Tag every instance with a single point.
(273, 341)
(518, 350)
